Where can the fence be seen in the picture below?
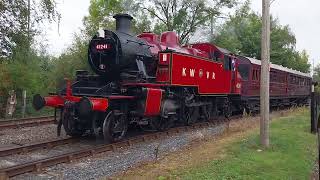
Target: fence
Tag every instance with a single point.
(21, 111)
(315, 111)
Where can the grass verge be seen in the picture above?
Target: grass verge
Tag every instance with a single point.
(291, 155)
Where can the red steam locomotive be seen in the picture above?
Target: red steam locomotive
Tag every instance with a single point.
(153, 82)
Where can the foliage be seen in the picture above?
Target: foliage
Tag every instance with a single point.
(291, 155)
(316, 73)
(301, 62)
(74, 58)
(22, 67)
(19, 24)
(101, 16)
(242, 34)
(184, 16)
(316, 77)
(30, 73)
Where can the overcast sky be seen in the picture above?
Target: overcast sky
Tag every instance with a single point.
(303, 18)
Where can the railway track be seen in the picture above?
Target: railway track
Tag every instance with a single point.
(38, 165)
(36, 146)
(25, 122)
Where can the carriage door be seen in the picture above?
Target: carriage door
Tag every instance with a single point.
(235, 78)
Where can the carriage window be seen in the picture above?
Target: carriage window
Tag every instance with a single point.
(253, 74)
(273, 76)
(286, 79)
(293, 80)
(290, 79)
(244, 71)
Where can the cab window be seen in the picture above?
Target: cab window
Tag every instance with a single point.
(227, 63)
(244, 71)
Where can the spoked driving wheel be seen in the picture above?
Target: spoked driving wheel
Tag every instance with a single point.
(156, 123)
(69, 122)
(191, 114)
(163, 124)
(206, 112)
(97, 126)
(115, 126)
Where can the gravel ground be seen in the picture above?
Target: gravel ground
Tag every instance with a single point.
(315, 173)
(26, 135)
(107, 164)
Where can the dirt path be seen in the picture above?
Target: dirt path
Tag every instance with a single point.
(198, 152)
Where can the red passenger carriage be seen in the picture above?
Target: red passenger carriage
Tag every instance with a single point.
(288, 87)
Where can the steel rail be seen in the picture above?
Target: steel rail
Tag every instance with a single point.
(25, 122)
(36, 146)
(38, 165)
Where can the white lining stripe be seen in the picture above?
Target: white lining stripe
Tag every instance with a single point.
(278, 67)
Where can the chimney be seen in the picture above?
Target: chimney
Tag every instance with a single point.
(123, 22)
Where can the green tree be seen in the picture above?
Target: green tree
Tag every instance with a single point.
(73, 59)
(242, 34)
(19, 23)
(184, 16)
(16, 38)
(22, 66)
(316, 73)
(301, 62)
(101, 16)
(316, 77)
(31, 73)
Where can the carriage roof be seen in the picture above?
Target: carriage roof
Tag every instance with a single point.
(279, 67)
